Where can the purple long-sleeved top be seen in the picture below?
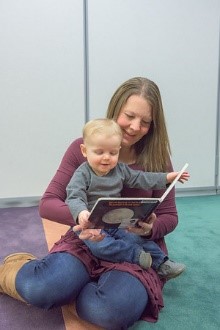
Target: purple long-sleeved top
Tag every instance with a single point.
(53, 207)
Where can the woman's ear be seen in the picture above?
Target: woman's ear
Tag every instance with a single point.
(83, 149)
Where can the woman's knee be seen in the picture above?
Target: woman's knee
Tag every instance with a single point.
(52, 281)
(115, 302)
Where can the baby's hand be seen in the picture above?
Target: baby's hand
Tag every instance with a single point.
(184, 177)
(83, 219)
(172, 175)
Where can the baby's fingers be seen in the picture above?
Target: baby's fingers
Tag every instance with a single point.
(184, 177)
(77, 228)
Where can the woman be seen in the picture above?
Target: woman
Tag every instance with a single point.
(110, 295)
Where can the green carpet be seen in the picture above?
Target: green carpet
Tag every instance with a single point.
(192, 301)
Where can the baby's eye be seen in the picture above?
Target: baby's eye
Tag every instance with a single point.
(98, 152)
(114, 153)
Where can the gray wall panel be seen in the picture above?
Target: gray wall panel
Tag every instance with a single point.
(42, 90)
(174, 43)
(44, 80)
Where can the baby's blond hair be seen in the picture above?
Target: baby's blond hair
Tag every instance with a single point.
(105, 126)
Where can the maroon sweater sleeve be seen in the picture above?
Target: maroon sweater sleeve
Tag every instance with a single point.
(52, 205)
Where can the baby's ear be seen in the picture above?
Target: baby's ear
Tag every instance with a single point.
(83, 149)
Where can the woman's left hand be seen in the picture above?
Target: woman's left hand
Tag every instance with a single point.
(144, 227)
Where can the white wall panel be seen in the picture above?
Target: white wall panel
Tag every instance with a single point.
(174, 43)
(42, 90)
(42, 86)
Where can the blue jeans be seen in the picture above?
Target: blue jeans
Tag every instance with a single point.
(119, 245)
(115, 301)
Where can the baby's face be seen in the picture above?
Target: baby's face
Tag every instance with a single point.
(102, 152)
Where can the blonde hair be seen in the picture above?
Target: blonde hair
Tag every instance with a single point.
(105, 126)
(153, 150)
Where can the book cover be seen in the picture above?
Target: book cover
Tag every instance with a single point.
(121, 212)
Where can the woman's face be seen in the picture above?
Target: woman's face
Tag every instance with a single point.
(134, 119)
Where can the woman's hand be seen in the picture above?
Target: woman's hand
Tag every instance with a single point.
(144, 227)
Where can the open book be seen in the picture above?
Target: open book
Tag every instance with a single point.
(123, 212)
